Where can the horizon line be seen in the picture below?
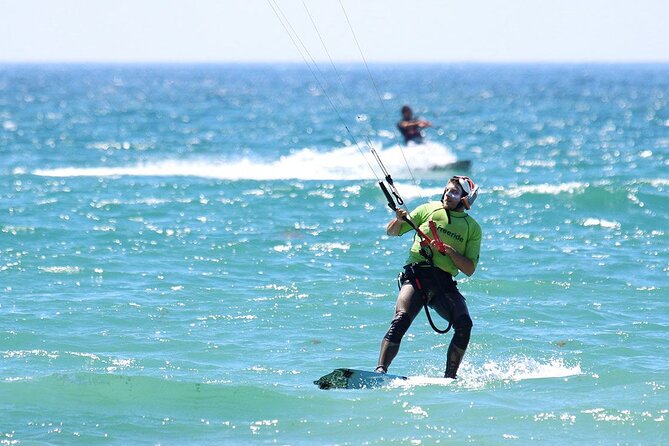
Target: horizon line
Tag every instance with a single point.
(299, 62)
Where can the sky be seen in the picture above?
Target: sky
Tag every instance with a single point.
(186, 31)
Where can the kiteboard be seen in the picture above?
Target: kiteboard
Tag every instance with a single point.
(455, 165)
(355, 379)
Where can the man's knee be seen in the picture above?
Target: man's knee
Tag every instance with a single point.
(463, 329)
(398, 327)
(464, 322)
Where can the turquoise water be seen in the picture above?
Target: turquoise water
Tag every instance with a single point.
(184, 249)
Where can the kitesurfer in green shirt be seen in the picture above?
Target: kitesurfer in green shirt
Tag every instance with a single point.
(428, 274)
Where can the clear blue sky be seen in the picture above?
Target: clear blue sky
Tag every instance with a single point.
(388, 30)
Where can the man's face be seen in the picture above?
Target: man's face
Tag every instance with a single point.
(453, 196)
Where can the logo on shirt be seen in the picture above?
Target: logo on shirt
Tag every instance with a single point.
(451, 234)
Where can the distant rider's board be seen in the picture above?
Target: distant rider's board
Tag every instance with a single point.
(455, 165)
(355, 379)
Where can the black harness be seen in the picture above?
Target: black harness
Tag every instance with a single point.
(411, 275)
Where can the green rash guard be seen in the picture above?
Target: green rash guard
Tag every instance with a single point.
(463, 234)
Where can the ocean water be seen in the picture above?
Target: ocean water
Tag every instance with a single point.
(184, 249)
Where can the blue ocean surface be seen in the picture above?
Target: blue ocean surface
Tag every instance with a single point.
(184, 249)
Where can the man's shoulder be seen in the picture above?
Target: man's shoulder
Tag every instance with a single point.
(430, 206)
(472, 222)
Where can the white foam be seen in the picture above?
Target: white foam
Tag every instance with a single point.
(60, 269)
(601, 222)
(521, 368)
(546, 189)
(538, 163)
(416, 381)
(343, 163)
(10, 126)
(517, 368)
(659, 182)
(329, 247)
(411, 191)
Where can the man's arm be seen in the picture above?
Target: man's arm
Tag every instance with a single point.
(417, 123)
(395, 224)
(463, 263)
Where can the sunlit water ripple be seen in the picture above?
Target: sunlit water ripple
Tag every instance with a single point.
(184, 249)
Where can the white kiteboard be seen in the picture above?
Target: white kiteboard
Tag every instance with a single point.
(355, 379)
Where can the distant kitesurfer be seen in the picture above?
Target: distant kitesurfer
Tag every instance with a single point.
(428, 274)
(411, 126)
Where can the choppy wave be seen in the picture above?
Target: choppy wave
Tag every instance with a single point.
(140, 392)
(344, 163)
